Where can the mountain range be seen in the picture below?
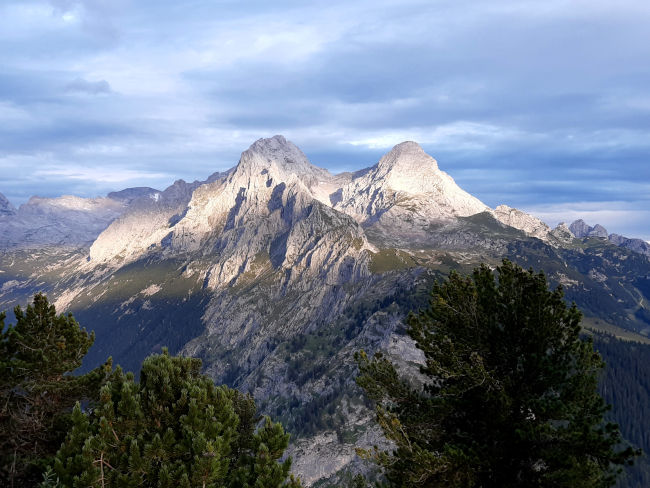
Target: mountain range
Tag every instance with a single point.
(276, 271)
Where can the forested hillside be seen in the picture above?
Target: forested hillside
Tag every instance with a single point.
(626, 386)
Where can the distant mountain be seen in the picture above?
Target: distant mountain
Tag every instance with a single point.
(276, 271)
(581, 230)
(64, 221)
(6, 208)
(636, 245)
(130, 194)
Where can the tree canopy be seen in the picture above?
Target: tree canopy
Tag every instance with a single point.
(510, 391)
(37, 391)
(173, 428)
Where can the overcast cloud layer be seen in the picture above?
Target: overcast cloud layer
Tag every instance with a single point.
(541, 105)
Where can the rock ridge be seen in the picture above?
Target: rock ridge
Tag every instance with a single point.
(6, 208)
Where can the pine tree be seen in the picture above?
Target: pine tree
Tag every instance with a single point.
(510, 396)
(173, 428)
(37, 391)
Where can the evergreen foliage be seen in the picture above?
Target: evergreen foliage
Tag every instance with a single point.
(510, 396)
(37, 391)
(174, 428)
(625, 384)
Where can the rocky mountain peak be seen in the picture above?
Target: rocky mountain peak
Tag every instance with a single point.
(277, 153)
(407, 168)
(403, 194)
(598, 231)
(6, 208)
(407, 155)
(563, 233)
(581, 229)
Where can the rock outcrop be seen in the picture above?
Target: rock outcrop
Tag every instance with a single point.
(562, 233)
(598, 231)
(521, 220)
(143, 226)
(6, 208)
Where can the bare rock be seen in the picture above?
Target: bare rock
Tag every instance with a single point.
(521, 220)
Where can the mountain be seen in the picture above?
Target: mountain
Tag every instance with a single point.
(636, 245)
(276, 271)
(65, 221)
(582, 230)
(405, 195)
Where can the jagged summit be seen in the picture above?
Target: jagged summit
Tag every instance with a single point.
(581, 229)
(406, 189)
(562, 233)
(6, 208)
(408, 168)
(276, 152)
(274, 160)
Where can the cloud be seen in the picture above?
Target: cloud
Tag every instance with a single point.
(459, 135)
(526, 103)
(79, 85)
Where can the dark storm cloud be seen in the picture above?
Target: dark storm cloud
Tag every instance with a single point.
(542, 105)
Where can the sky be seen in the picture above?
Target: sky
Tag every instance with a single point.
(544, 106)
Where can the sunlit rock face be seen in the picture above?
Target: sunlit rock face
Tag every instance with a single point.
(562, 233)
(521, 220)
(405, 193)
